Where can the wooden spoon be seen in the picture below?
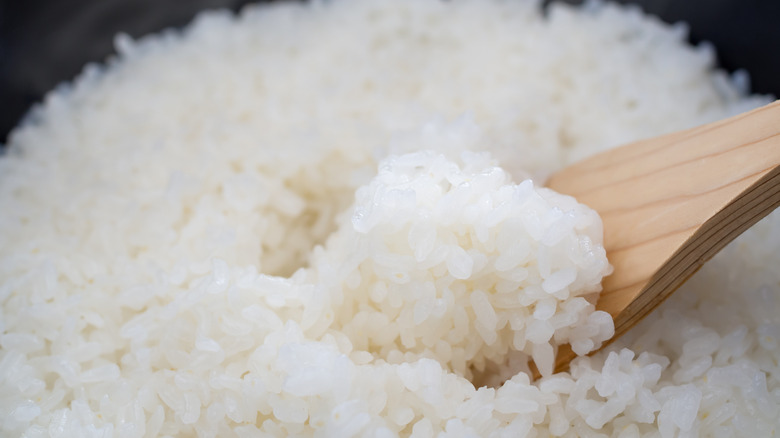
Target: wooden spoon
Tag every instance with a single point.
(671, 203)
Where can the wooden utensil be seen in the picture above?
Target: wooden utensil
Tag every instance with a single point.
(671, 203)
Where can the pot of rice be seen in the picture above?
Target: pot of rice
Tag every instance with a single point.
(328, 219)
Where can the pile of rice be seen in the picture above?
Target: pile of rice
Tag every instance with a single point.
(327, 219)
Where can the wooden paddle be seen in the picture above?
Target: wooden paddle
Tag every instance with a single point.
(671, 203)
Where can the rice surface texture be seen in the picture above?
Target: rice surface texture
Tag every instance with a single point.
(328, 219)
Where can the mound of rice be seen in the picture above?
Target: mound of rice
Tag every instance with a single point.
(326, 219)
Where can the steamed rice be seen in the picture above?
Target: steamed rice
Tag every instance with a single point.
(322, 219)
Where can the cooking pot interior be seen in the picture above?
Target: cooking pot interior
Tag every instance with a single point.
(44, 42)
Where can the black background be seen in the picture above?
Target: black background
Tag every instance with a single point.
(45, 42)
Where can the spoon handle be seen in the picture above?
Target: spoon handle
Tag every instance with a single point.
(670, 203)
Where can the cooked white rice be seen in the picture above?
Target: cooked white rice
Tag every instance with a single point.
(318, 220)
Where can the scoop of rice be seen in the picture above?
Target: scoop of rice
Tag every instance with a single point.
(326, 219)
(452, 261)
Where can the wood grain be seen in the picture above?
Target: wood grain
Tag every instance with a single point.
(671, 203)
